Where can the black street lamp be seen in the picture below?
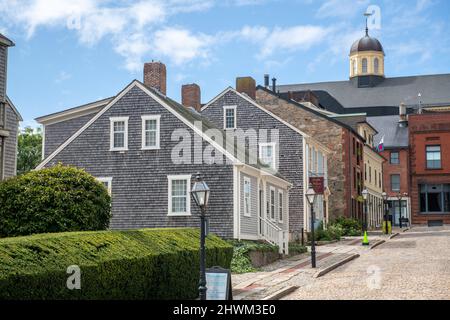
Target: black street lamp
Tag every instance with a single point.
(385, 201)
(311, 197)
(200, 193)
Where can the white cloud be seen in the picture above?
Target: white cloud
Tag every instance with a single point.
(341, 8)
(63, 76)
(180, 45)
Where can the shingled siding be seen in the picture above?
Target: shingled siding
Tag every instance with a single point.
(10, 157)
(139, 177)
(326, 132)
(57, 133)
(3, 62)
(290, 146)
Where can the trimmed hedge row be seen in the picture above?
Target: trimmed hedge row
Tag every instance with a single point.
(135, 264)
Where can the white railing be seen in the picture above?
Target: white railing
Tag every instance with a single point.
(275, 235)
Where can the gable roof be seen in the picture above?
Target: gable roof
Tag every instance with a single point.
(13, 107)
(5, 41)
(187, 115)
(74, 112)
(389, 93)
(254, 103)
(317, 113)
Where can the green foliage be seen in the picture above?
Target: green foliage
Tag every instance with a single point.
(350, 227)
(241, 262)
(53, 200)
(29, 150)
(137, 264)
(333, 232)
(296, 248)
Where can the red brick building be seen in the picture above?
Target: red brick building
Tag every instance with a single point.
(429, 139)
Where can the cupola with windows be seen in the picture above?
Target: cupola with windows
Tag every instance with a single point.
(367, 62)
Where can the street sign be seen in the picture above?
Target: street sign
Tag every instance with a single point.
(218, 284)
(318, 184)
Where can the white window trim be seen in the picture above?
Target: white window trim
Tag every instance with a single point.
(225, 108)
(249, 213)
(273, 145)
(108, 180)
(274, 204)
(151, 117)
(111, 137)
(280, 192)
(188, 191)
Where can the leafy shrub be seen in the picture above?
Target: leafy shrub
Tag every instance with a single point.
(53, 200)
(241, 262)
(350, 227)
(137, 264)
(296, 248)
(332, 233)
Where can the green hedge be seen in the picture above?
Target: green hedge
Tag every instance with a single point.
(56, 199)
(137, 264)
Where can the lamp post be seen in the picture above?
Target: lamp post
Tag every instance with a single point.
(365, 194)
(200, 193)
(311, 197)
(399, 198)
(385, 197)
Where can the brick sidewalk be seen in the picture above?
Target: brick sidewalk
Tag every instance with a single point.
(279, 275)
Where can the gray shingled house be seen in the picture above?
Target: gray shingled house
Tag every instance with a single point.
(131, 142)
(9, 118)
(286, 151)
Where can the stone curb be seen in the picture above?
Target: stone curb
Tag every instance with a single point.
(281, 293)
(335, 265)
(393, 235)
(377, 243)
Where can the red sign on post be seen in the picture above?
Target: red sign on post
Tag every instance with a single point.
(317, 184)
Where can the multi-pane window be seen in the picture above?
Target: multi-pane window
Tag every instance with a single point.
(179, 189)
(107, 183)
(364, 65)
(395, 159)
(229, 117)
(280, 206)
(272, 203)
(247, 196)
(435, 198)
(433, 157)
(119, 133)
(150, 132)
(395, 182)
(376, 66)
(267, 154)
(355, 70)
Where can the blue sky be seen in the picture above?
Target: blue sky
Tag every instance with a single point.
(69, 53)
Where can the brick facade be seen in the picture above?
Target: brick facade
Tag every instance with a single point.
(337, 137)
(429, 129)
(401, 169)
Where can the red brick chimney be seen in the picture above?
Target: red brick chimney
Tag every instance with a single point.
(155, 76)
(246, 85)
(191, 96)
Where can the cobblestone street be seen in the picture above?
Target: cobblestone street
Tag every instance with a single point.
(413, 265)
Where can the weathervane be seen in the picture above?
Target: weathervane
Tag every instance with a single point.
(367, 15)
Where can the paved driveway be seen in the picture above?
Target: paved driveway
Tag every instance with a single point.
(413, 265)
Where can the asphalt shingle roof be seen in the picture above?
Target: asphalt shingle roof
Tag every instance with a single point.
(435, 90)
(387, 126)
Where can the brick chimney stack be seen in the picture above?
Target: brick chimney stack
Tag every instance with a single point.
(191, 96)
(403, 118)
(155, 76)
(246, 85)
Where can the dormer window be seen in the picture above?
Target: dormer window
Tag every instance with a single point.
(229, 117)
(364, 65)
